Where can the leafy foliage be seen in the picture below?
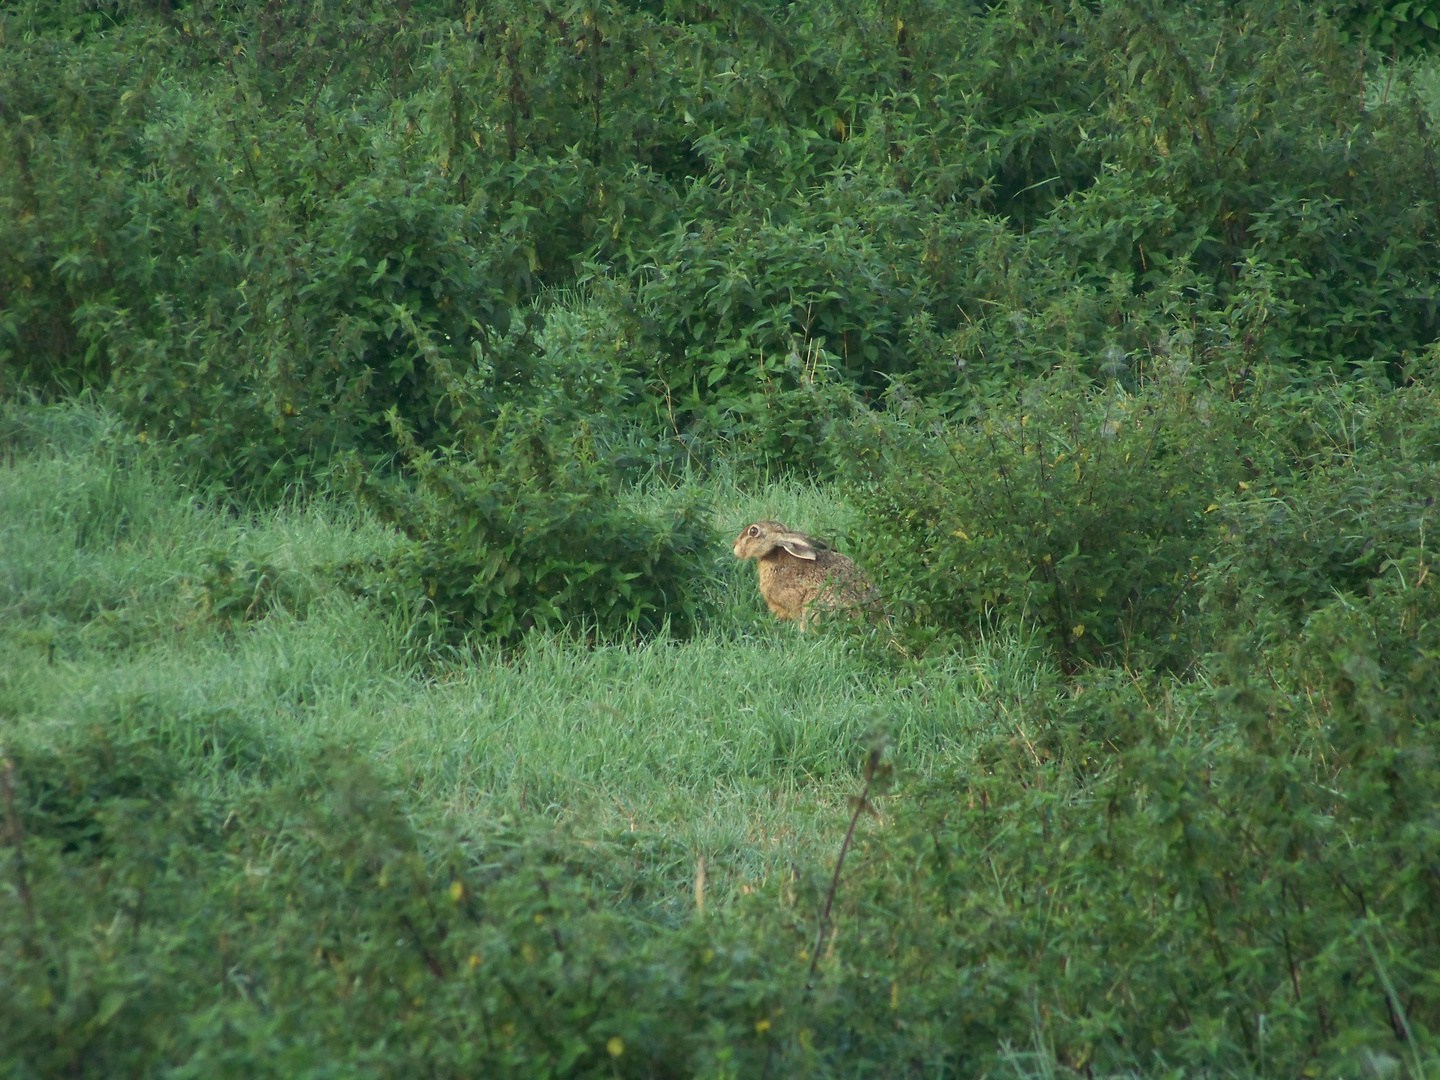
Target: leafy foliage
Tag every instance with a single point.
(1145, 525)
(261, 226)
(1345, 513)
(1395, 29)
(521, 534)
(1141, 889)
(1115, 322)
(325, 923)
(1077, 508)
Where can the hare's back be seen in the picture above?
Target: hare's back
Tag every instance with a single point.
(843, 580)
(838, 569)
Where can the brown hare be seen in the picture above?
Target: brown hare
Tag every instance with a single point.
(798, 572)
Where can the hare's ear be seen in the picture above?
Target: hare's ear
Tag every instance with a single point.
(796, 545)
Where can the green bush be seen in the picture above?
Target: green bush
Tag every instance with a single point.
(391, 298)
(262, 225)
(1392, 29)
(1346, 510)
(308, 925)
(518, 533)
(1078, 508)
(1150, 878)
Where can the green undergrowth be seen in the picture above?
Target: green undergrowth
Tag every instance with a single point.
(379, 695)
(259, 228)
(247, 831)
(131, 599)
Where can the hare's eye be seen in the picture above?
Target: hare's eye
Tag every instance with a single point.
(754, 531)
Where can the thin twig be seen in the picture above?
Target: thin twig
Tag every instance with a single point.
(17, 837)
(861, 804)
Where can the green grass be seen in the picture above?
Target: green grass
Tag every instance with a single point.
(739, 745)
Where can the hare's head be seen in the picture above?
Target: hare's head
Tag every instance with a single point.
(760, 538)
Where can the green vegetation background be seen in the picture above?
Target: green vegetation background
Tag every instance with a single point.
(380, 383)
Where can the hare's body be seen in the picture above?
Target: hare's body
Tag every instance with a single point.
(799, 574)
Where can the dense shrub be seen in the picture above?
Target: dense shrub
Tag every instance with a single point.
(1076, 507)
(1343, 509)
(524, 531)
(1392, 29)
(309, 925)
(1235, 878)
(275, 221)
(1151, 522)
(373, 307)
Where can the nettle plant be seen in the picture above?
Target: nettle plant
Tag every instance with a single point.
(1073, 506)
(1340, 510)
(522, 531)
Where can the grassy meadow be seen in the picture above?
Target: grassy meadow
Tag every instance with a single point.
(738, 746)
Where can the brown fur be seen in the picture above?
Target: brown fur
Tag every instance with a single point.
(798, 572)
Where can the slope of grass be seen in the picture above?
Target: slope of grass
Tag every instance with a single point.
(126, 597)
